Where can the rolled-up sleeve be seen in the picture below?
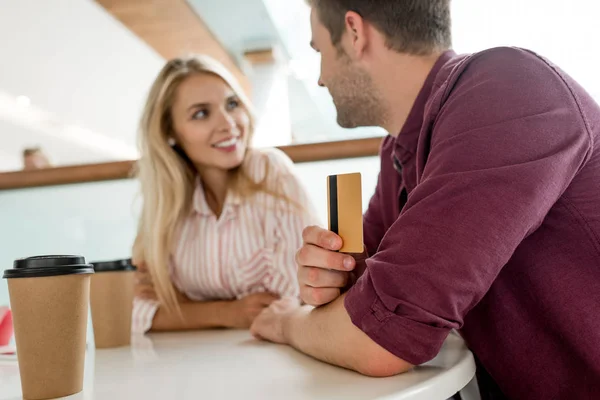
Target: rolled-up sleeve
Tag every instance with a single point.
(145, 303)
(504, 147)
(143, 314)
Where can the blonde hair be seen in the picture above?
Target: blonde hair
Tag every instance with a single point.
(167, 177)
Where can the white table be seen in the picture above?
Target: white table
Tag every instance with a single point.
(232, 365)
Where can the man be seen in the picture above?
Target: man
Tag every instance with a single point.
(485, 219)
(34, 158)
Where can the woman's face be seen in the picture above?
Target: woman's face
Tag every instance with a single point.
(210, 123)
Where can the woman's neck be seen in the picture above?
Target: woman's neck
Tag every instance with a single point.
(214, 182)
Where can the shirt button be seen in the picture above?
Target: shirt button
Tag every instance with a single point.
(397, 165)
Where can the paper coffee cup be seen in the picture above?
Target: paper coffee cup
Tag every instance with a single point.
(49, 299)
(112, 303)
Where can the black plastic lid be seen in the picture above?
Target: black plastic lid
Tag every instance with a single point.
(115, 265)
(38, 266)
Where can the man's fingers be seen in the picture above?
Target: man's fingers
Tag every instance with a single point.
(318, 296)
(322, 278)
(314, 256)
(321, 237)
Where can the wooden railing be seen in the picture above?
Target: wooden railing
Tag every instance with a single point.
(123, 169)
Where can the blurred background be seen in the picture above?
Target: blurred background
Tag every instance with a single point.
(74, 73)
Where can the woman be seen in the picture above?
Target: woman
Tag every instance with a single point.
(220, 222)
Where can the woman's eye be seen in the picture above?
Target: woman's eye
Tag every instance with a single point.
(200, 114)
(233, 104)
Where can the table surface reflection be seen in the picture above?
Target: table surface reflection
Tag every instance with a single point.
(233, 365)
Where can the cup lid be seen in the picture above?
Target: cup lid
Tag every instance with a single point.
(52, 265)
(114, 265)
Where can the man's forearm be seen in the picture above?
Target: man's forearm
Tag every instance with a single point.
(328, 334)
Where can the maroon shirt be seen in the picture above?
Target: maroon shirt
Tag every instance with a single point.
(490, 224)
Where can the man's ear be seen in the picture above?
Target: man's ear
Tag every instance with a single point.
(357, 34)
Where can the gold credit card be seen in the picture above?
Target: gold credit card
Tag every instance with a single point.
(344, 210)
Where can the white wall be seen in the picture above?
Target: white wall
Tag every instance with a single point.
(75, 61)
(270, 97)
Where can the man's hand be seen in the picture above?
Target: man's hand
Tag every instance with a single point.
(326, 333)
(322, 271)
(269, 325)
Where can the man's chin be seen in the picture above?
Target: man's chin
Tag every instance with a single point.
(347, 123)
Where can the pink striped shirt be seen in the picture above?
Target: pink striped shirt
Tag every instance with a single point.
(250, 248)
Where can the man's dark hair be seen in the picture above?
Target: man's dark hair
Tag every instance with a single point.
(417, 27)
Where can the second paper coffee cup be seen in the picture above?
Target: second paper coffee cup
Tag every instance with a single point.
(49, 297)
(111, 300)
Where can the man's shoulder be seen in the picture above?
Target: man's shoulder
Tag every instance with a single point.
(509, 77)
(507, 84)
(499, 64)
(505, 60)
(507, 53)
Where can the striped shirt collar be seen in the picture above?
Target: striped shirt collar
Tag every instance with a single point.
(201, 206)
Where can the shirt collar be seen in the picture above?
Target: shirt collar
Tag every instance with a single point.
(201, 206)
(409, 134)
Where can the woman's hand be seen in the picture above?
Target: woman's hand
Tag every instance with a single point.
(144, 288)
(243, 312)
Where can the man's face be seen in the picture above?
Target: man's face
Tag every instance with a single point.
(351, 87)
